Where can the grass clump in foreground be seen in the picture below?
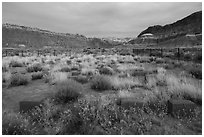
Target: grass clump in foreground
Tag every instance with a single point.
(196, 72)
(101, 82)
(18, 79)
(15, 124)
(34, 67)
(68, 91)
(37, 75)
(14, 63)
(81, 79)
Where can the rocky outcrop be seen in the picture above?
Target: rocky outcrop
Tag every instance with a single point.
(15, 35)
(184, 32)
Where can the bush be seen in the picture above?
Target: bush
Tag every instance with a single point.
(138, 72)
(160, 60)
(6, 76)
(198, 57)
(34, 67)
(101, 83)
(18, 79)
(187, 56)
(4, 68)
(15, 124)
(68, 91)
(15, 64)
(196, 72)
(69, 62)
(75, 68)
(37, 75)
(65, 69)
(81, 79)
(106, 71)
(57, 119)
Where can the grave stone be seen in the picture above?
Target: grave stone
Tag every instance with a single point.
(130, 102)
(26, 106)
(181, 108)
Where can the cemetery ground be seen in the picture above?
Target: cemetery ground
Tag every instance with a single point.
(94, 94)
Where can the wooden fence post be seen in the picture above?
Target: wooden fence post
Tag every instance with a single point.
(54, 53)
(6, 53)
(178, 53)
(161, 52)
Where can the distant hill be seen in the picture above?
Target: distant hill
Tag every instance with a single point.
(15, 35)
(184, 32)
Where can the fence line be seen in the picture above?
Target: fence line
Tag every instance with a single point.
(137, 51)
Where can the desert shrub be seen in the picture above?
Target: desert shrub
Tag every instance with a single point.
(101, 82)
(18, 79)
(159, 60)
(4, 68)
(34, 67)
(65, 69)
(123, 83)
(176, 55)
(184, 88)
(57, 118)
(145, 60)
(152, 59)
(75, 68)
(88, 72)
(177, 64)
(81, 79)
(52, 62)
(196, 72)
(156, 53)
(71, 121)
(110, 117)
(106, 70)
(187, 56)
(169, 66)
(55, 77)
(14, 63)
(15, 124)
(69, 62)
(198, 57)
(138, 72)
(75, 73)
(68, 90)
(6, 76)
(37, 75)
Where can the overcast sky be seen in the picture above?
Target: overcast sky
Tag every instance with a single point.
(96, 19)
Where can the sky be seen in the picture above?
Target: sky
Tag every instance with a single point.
(121, 19)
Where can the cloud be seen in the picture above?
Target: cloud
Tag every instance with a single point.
(97, 19)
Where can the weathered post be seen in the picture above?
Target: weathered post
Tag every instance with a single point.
(178, 53)
(161, 52)
(6, 53)
(22, 53)
(54, 52)
(150, 51)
